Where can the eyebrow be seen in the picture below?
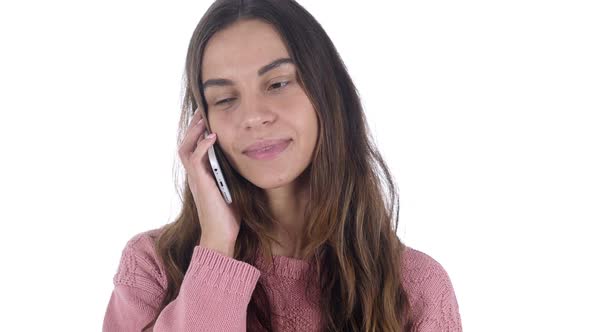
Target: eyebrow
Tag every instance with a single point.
(224, 82)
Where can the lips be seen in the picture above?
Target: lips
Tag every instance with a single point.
(267, 150)
(265, 145)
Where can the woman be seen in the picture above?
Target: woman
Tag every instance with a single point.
(309, 242)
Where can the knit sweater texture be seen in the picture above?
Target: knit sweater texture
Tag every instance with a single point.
(216, 290)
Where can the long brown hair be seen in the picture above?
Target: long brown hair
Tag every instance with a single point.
(351, 222)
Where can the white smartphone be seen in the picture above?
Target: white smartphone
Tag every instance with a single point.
(221, 183)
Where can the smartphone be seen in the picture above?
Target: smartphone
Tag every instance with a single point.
(219, 179)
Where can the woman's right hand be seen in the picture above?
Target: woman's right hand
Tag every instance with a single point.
(220, 222)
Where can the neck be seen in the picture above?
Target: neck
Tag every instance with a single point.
(287, 206)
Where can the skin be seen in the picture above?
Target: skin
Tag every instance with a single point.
(262, 107)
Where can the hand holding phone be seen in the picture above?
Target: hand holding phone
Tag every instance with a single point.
(215, 167)
(219, 221)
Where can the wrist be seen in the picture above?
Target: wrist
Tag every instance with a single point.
(223, 247)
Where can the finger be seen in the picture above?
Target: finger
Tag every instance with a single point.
(198, 156)
(191, 136)
(202, 134)
(190, 141)
(195, 118)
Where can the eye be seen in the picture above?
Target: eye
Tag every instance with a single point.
(224, 101)
(284, 82)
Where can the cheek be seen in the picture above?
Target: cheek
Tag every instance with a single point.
(225, 142)
(304, 114)
(224, 137)
(230, 146)
(219, 126)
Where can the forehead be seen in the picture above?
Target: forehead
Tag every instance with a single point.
(243, 47)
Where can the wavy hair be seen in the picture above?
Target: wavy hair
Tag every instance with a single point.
(351, 223)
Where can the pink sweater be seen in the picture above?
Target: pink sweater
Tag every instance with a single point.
(216, 290)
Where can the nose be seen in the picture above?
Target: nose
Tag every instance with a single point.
(256, 113)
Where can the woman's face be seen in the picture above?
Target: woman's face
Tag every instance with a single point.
(253, 103)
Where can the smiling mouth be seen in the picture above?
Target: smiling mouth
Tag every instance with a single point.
(269, 152)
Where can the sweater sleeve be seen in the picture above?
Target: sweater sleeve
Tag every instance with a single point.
(434, 304)
(214, 294)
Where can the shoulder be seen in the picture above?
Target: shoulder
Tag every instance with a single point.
(139, 264)
(430, 292)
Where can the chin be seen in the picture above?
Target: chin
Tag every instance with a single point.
(268, 182)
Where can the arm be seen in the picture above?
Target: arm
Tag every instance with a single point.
(214, 294)
(439, 309)
(431, 294)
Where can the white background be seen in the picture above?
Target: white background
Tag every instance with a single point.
(480, 108)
